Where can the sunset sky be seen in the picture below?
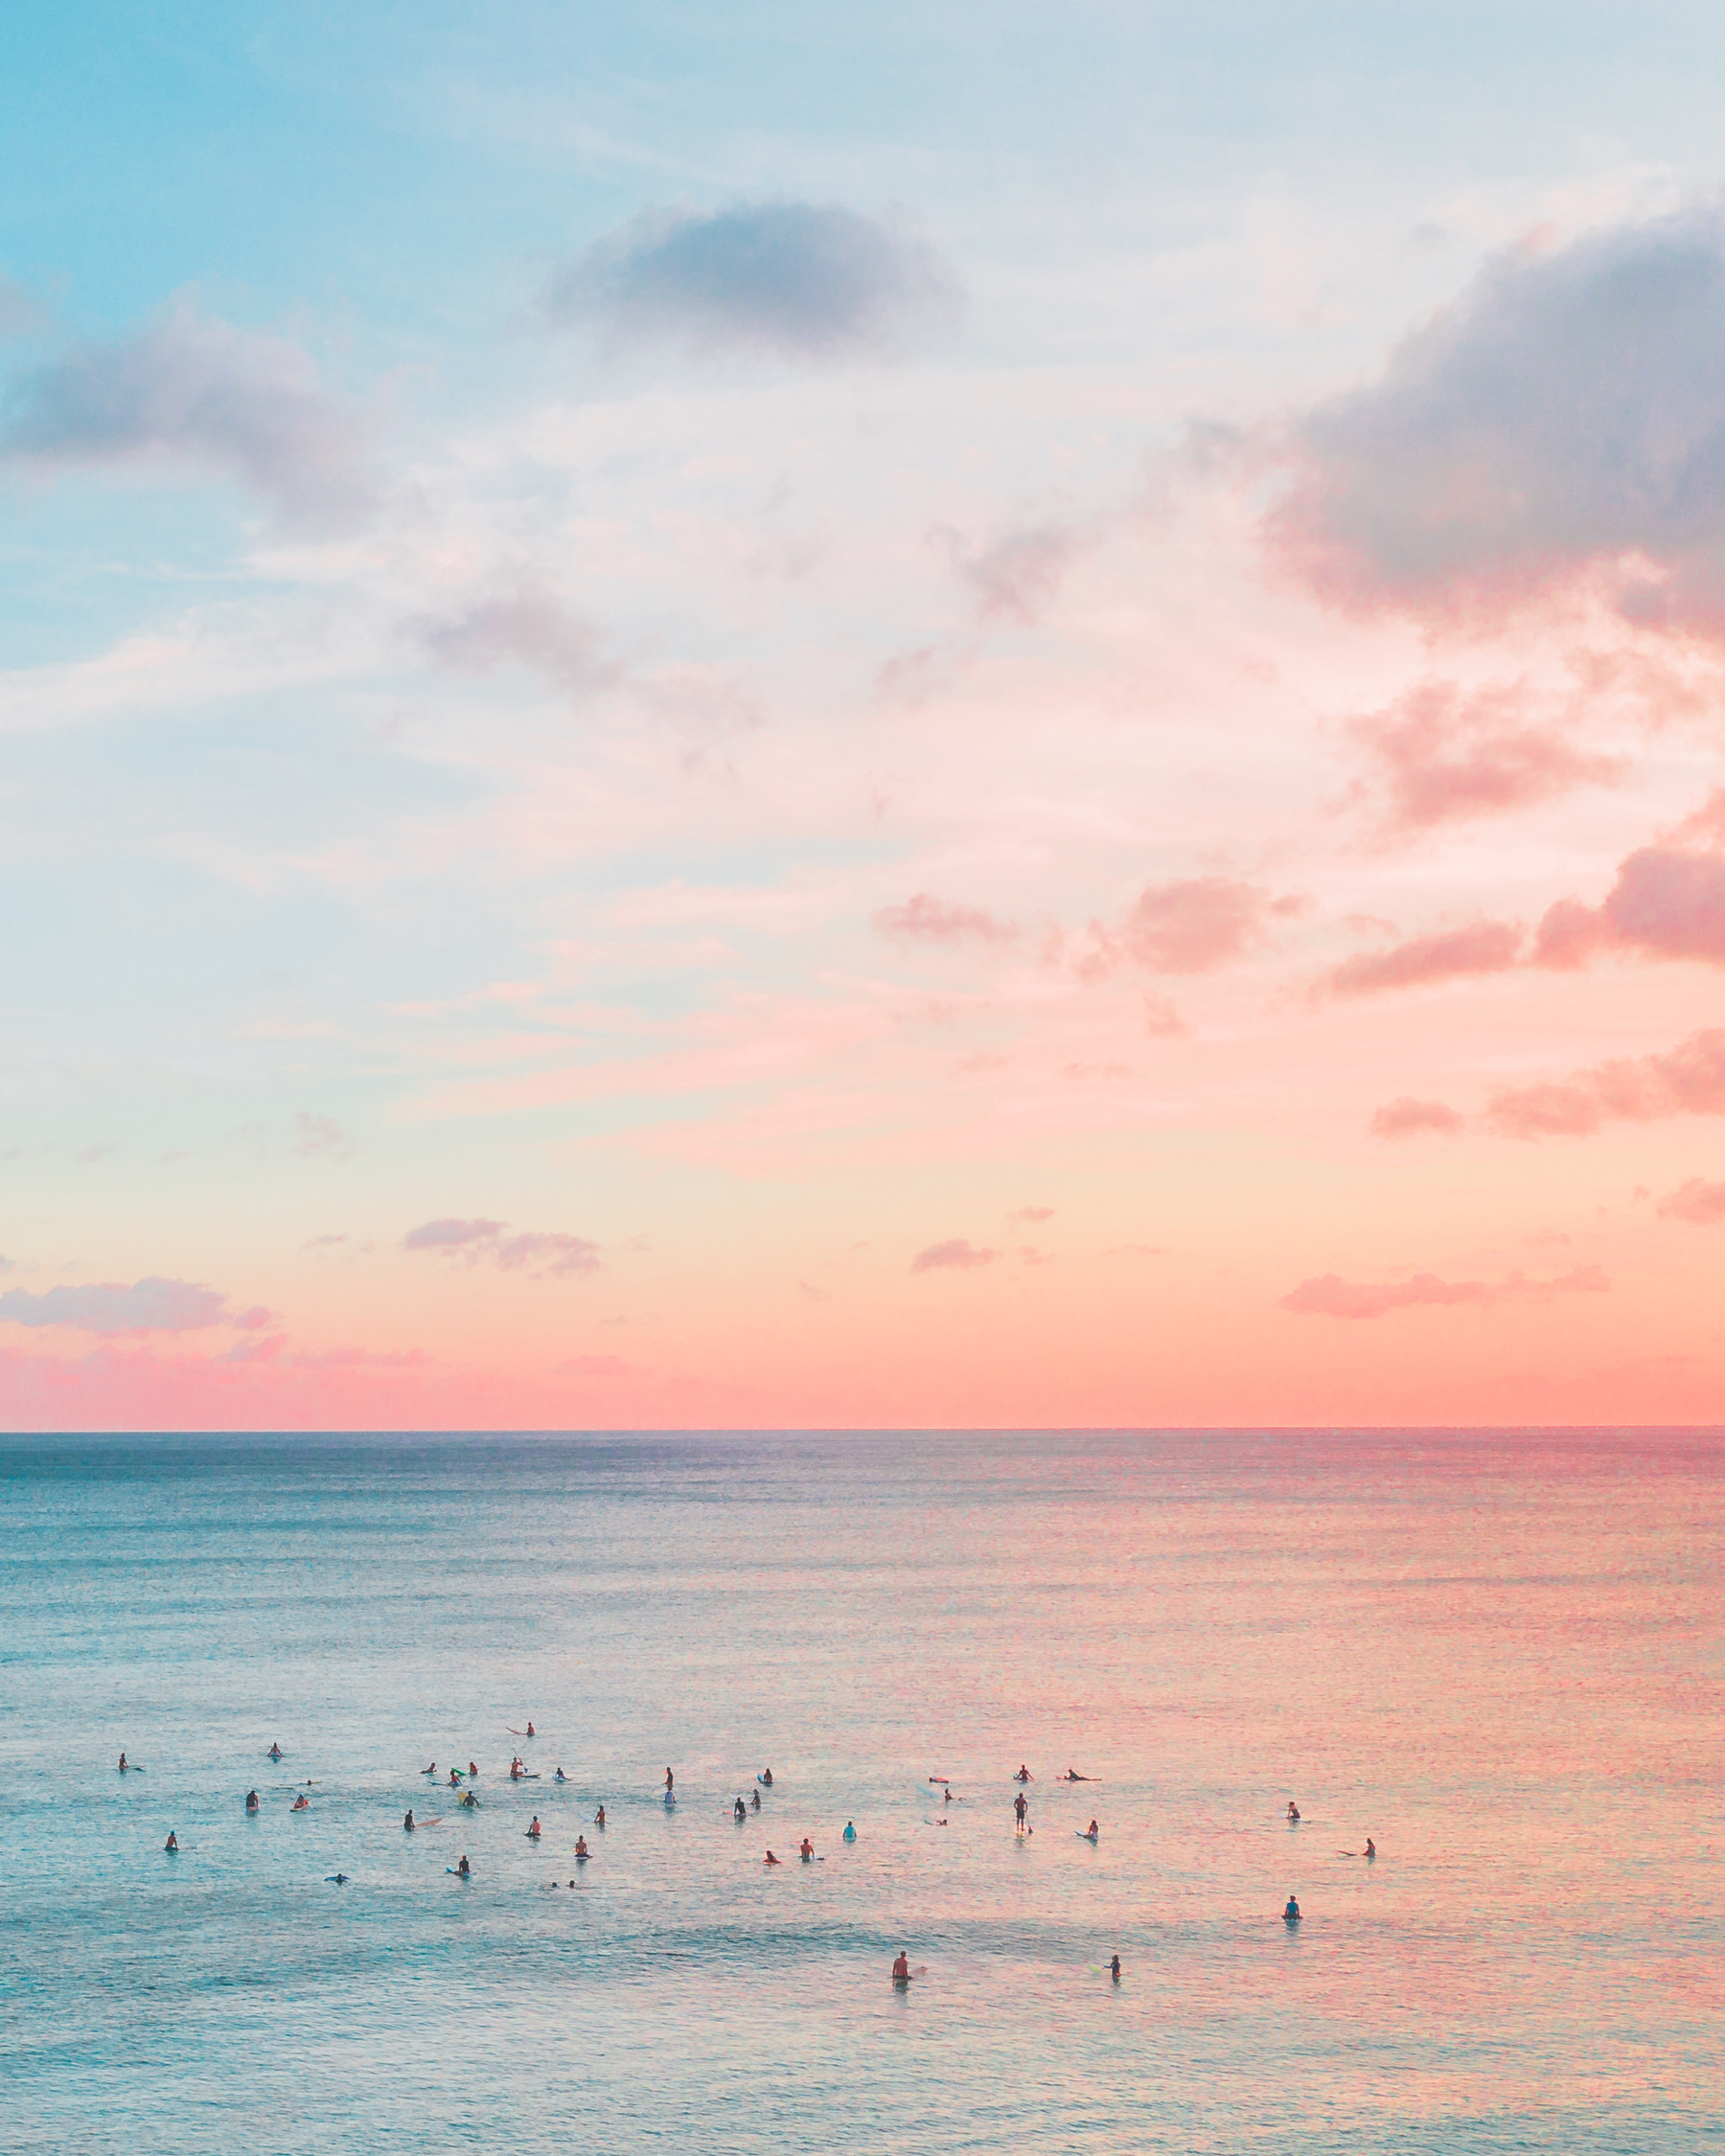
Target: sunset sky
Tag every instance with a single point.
(915, 715)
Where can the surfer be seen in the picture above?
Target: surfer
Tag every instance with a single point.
(771, 1858)
(1290, 1914)
(599, 1817)
(1113, 1968)
(336, 1878)
(407, 1822)
(1023, 1774)
(1371, 1847)
(532, 1833)
(670, 1782)
(123, 1768)
(850, 1831)
(581, 1851)
(251, 1800)
(739, 1812)
(754, 1799)
(559, 1775)
(464, 1870)
(274, 1752)
(454, 1777)
(430, 1770)
(530, 1728)
(1020, 1806)
(171, 1847)
(807, 1852)
(301, 1803)
(1072, 1774)
(766, 1778)
(1293, 1813)
(1091, 1833)
(467, 1798)
(901, 1968)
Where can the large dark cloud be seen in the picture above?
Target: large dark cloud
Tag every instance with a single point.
(801, 278)
(1567, 412)
(188, 394)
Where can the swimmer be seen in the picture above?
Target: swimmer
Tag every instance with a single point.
(850, 1831)
(171, 1847)
(1020, 1806)
(766, 1778)
(407, 1822)
(1091, 1833)
(464, 1870)
(754, 1799)
(771, 1858)
(274, 1752)
(901, 1968)
(599, 1817)
(807, 1852)
(1023, 1774)
(1113, 1968)
(251, 1800)
(581, 1851)
(301, 1803)
(739, 1812)
(1290, 1914)
(532, 1833)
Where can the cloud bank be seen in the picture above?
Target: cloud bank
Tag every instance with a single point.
(804, 279)
(1330, 1296)
(954, 1256)
(152, 1305)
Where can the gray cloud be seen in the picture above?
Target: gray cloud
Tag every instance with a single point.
(522, 626)
(476, 1239)
(1020, 575)
(813, 281)
(153, 1305)
(1567, 411)
(190, 394)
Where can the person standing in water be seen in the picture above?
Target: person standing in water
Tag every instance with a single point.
(807, 1852)
(740, 1811)
(1020, 1806)
(670, 1782)
(754, 1799)
(171, 1847)
(530, 1728)
(1113, 1968)
(123, 1768)
(599, 1817)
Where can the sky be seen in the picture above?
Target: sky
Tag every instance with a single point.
(750, 716)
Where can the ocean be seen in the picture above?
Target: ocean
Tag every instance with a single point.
(1500, 1656)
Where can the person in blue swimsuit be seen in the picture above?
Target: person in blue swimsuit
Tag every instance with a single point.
(850, 1831)
(1290, 1914)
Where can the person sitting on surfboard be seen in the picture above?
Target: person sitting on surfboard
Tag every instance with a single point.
(1023, 1774)
(1290, 1914)
(530, 1728)
(807, 1852)
(251, 1800)
(532, 1833)
(559, 1775)
(454, 1777)
(581, 1851)
(850, 1831)
(301, 1803)
(472, 1769)
(1371, 1847)
(766, 1778)
(771, 1858)
(170, 1845)
(407, 1822)
(275, 1751)
(1091, 1833)
(1292, 1810)
(901, 1968)
(599, 1817)
(464, 1870)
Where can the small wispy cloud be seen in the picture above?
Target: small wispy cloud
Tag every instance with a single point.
(926, 919)
(1330, 1296)
(475, 1240)
(954, 1256)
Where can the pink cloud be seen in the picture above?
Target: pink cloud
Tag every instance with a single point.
(1486, 947)
(1020, 575)
(926, 919)
(1443, 756)
(153, 1305)
(1687, 1080)
(954, 1256)
(1407, 1117)
(1190, 926)
(1034, 1214)
(1667, 903)
(1330, 1295)
(1701, 1203)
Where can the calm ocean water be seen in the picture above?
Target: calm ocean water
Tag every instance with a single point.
(1504, 1658)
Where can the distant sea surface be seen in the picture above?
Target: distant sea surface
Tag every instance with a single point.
(1500, 1657)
